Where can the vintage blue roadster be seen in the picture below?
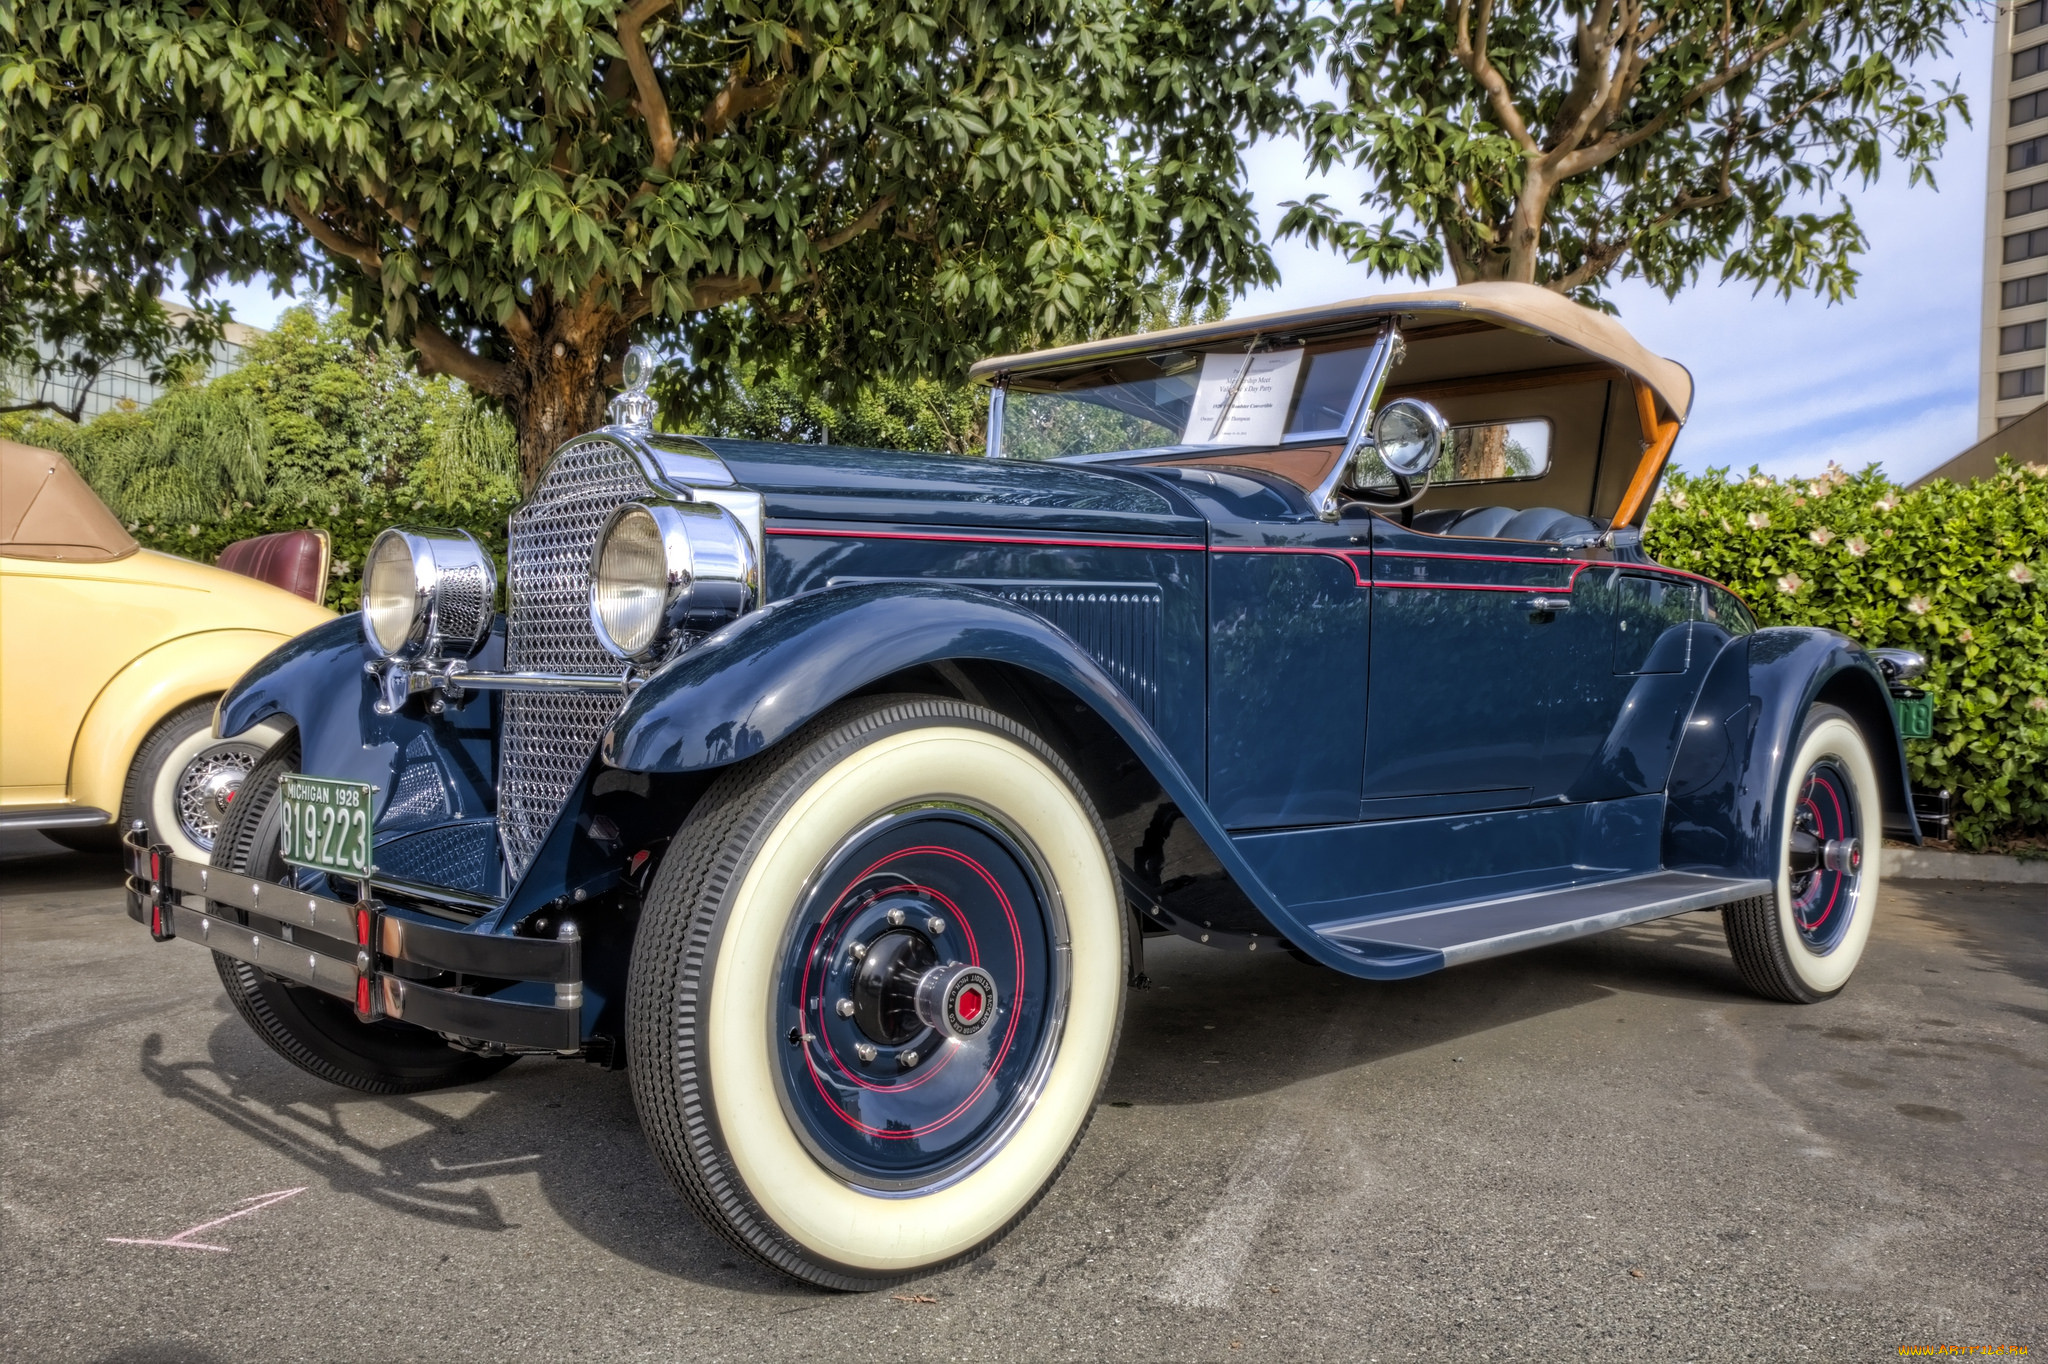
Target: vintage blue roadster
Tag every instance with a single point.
(833, 792)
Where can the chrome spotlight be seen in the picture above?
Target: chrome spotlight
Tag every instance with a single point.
(427, 592)
(1409, 435)
(661, 569)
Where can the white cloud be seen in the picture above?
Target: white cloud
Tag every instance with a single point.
(1890, 375)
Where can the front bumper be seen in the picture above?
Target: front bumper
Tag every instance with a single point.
(364, 953)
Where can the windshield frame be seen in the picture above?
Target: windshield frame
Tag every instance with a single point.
(1357, 411)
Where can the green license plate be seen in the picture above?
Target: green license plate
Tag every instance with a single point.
(1916, 716)
(326, 825)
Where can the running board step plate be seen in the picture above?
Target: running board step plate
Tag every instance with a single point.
(1492, 928)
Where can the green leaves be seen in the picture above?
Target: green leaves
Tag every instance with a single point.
(488, 169)
(1662, 140)
(1954, 571)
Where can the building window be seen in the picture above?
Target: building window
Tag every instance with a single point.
(2031, 15)
(2033, 152)
(2022, 336)
(2021, 383)
(2018, 293)
(2032, 62)
(2026, 245)
(2026, 199)
(2027, 108)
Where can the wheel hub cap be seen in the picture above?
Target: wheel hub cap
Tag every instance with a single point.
(1824, 859)
(921, 1000)
(206, 788)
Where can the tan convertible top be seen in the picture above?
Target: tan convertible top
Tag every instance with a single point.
(48, 512)
(1524, 308)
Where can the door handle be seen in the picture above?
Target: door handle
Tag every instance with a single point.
(1550, 603)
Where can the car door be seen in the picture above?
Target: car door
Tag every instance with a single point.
(1289, 624)
(1476, 644)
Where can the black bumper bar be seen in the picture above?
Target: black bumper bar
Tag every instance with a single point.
(175, 897)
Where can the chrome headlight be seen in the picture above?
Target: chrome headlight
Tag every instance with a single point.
(426, 592)
(662, 568)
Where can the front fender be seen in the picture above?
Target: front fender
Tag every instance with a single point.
(1722, 816)
(137, 699)
(317, 682)
(753, 683)
(760, 678)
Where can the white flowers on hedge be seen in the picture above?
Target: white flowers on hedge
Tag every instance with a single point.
(2020, 573)
(1759, 520)
(1790, 584)
(1857, 546)
(2038, 703)
(1919, 606)
(1820, 535)
(1888, 503)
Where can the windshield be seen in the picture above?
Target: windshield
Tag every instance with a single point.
(1177, 399)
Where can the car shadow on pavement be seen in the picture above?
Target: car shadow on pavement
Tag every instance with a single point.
(1216, 1027)
(570, 1125)
(1263, 1023)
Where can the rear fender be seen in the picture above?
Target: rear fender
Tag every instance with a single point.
(1721, 817)
(759, 679)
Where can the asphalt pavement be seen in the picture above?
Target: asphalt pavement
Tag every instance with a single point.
(1604, 1150)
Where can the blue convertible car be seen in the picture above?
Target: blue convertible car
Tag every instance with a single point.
(833, 792)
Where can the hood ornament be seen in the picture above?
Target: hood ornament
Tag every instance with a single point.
(633, 408)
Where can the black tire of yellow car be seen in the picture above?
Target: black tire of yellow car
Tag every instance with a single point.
(316, 1032)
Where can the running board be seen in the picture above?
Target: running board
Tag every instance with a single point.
(1492, 928)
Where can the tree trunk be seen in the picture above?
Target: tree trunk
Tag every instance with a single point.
(1525, 228)
(559, 393)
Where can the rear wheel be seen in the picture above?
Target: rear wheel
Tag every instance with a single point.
(315, 1031)
(876, 990)
(1802, 943)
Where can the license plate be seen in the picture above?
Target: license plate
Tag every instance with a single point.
(1916, 716)
(326, 825)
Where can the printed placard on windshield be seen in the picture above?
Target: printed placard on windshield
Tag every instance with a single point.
(326, 825)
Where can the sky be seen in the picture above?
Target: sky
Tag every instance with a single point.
(1889, 376)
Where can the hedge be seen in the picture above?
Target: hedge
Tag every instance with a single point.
(1955, 571)
(351, 526)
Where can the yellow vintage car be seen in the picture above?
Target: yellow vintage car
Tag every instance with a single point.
(111, 659)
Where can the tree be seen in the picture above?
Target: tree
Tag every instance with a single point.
(1563, 142)
(319, 419)
(516, 189)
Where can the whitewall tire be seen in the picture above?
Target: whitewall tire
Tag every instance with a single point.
(1802, 943)
(183, 780)
(876, 990)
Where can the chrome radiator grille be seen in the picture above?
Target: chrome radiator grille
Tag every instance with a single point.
(547, 738)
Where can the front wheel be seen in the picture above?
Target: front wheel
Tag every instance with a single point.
(316, 1032)
(1801, 943)
(876, 990)
(183, 780)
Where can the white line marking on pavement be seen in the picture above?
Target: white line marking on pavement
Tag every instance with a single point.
(1209, 1260)
(1214, 1255)
(256, 1203)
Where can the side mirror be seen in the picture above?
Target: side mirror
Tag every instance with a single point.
(1408, 435)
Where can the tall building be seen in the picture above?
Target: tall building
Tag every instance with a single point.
(2015, 347)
